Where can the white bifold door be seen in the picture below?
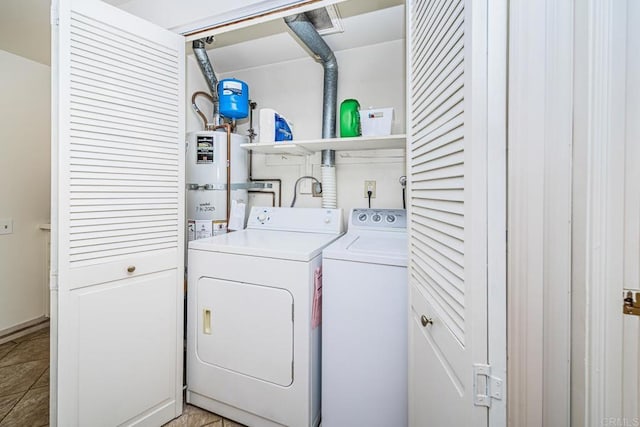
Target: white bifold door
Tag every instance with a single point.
(456, 155)
(118, 215)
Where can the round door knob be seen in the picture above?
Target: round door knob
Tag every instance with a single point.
(131, 268)
(426, 321)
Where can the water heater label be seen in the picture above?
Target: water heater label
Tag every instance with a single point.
(204, 151)
(205, 207)
(197, 229)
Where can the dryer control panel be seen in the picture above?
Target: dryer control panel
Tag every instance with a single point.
(379, 219)
(308, 220)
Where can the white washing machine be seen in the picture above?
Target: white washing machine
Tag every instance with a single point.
(252, 354)
(364, 322)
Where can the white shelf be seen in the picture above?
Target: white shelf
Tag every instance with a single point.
(305, 147)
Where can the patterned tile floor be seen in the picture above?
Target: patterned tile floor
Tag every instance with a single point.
(24, 387)
(24, 381)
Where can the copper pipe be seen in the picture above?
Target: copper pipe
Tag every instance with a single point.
(273, 195)
(197, 110)
(252, 179)
(227, 127)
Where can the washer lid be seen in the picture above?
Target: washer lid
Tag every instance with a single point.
(370, 247)
(290, 245)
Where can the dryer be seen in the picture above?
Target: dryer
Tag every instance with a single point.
(252, 354)
(364, 322)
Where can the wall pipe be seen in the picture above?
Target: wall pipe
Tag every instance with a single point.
(306, 32)
(252, 179)
(209, 75)
(227, 127)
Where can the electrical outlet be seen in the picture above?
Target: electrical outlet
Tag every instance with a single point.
(6, 226)
(316, 189)
(370, 186)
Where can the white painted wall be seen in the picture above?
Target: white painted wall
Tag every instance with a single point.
(374, 75)
(605, 357)
(540, 246)
(24, 187)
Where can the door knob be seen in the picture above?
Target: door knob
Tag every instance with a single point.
(131, 268)
(426, 321)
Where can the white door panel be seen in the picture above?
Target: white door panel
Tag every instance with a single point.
(449, 208)
(631, 324)
(127, 329)
(447, 350)
(117, 215)
(101, 272)
(448, 392)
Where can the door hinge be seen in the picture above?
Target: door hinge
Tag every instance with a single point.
(486, 386)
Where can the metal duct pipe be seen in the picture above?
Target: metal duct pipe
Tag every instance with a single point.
(209, 75)
(306, 32)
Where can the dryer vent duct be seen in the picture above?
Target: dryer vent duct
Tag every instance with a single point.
(326, 20)
(307, 33)
(209, 75)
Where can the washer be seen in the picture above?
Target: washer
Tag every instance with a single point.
(364, 322)
(252, 354)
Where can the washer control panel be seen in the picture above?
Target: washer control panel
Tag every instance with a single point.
(392, 219)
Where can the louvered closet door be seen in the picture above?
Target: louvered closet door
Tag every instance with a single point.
(447, 156)
(118, 150)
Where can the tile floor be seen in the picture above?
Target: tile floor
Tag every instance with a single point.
(24, 387)
(24, 381)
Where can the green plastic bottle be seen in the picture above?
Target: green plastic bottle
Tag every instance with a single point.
(350, 118)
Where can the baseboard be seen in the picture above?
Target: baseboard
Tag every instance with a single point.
(23, 329)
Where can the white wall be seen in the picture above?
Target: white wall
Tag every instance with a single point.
(605, 354)
(540, 160)
(374, 75)
(24, 187)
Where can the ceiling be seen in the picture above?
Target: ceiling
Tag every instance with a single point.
(273, 41)
(25, 30)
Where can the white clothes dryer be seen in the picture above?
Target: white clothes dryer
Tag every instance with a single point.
(252, 354)
(364, 322)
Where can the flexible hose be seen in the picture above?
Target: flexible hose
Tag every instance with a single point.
(295, 187)
(198, 110)
(329, 187)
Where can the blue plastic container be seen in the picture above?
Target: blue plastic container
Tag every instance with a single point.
(234, 98)
(283, 131)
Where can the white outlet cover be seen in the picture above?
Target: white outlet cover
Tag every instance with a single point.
(6, 226)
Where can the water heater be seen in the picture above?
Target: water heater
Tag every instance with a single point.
(206, 180)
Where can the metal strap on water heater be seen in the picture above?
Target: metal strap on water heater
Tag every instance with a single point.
(237, 186)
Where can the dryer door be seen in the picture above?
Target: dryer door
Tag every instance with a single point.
(246, 328)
